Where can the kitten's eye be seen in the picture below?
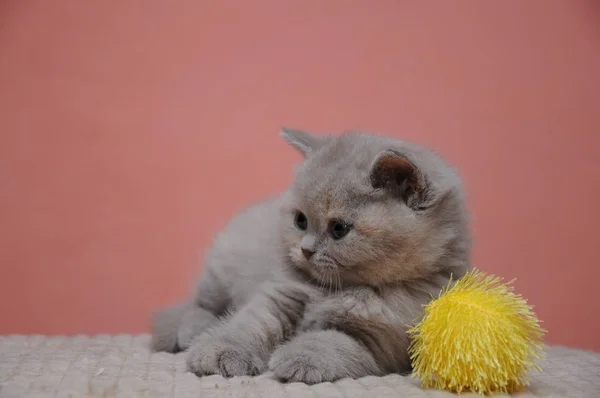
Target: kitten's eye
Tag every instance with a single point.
(338, 229)
(301, 221)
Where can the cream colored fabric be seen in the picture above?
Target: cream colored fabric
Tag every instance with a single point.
(122, 366)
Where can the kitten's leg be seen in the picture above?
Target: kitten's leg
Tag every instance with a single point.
(194, 322)
(351, 335)
(210, 300)
(174, 328)
(242, 344)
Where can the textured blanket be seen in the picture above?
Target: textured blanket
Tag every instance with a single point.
(123, 366)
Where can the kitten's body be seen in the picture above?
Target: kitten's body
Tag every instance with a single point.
(314, 304)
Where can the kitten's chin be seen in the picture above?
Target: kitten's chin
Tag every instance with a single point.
(322, 275)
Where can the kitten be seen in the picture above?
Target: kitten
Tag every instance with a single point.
(322, 282)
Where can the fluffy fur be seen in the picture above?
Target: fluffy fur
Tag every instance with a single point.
(322, 282)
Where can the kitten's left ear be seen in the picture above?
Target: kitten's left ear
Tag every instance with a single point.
(393, 171)
(301, 140)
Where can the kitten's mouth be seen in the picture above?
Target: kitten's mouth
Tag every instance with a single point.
(322, 271)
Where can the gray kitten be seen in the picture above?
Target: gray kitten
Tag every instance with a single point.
(322, 282)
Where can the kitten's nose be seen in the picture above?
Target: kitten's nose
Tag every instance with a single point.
(307, 253)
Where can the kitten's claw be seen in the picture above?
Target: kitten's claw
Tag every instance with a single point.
(212, 355)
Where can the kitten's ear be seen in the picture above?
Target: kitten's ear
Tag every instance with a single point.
(394, 171)
(301, 140)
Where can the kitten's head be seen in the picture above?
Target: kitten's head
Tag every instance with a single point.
(372, 210)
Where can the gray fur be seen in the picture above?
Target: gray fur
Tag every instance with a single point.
(263, 302)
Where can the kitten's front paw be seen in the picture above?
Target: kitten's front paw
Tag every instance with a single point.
(317, 357)
(294, 363)
(213, 355)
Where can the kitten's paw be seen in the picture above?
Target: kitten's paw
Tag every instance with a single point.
(213, 355)
(294, 363)
(317, 357)
(165, 326)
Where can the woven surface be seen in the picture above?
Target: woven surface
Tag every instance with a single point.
(122, 366)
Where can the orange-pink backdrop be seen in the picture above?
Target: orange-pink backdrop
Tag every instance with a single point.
(132, 130)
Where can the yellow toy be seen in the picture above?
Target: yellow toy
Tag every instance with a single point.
(478, 336)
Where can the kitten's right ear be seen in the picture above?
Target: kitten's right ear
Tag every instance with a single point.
(301, 140)
(393, 171)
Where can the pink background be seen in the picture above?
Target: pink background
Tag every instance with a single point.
(130, 131)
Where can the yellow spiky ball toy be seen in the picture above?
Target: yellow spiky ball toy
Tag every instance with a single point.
(477, 336)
